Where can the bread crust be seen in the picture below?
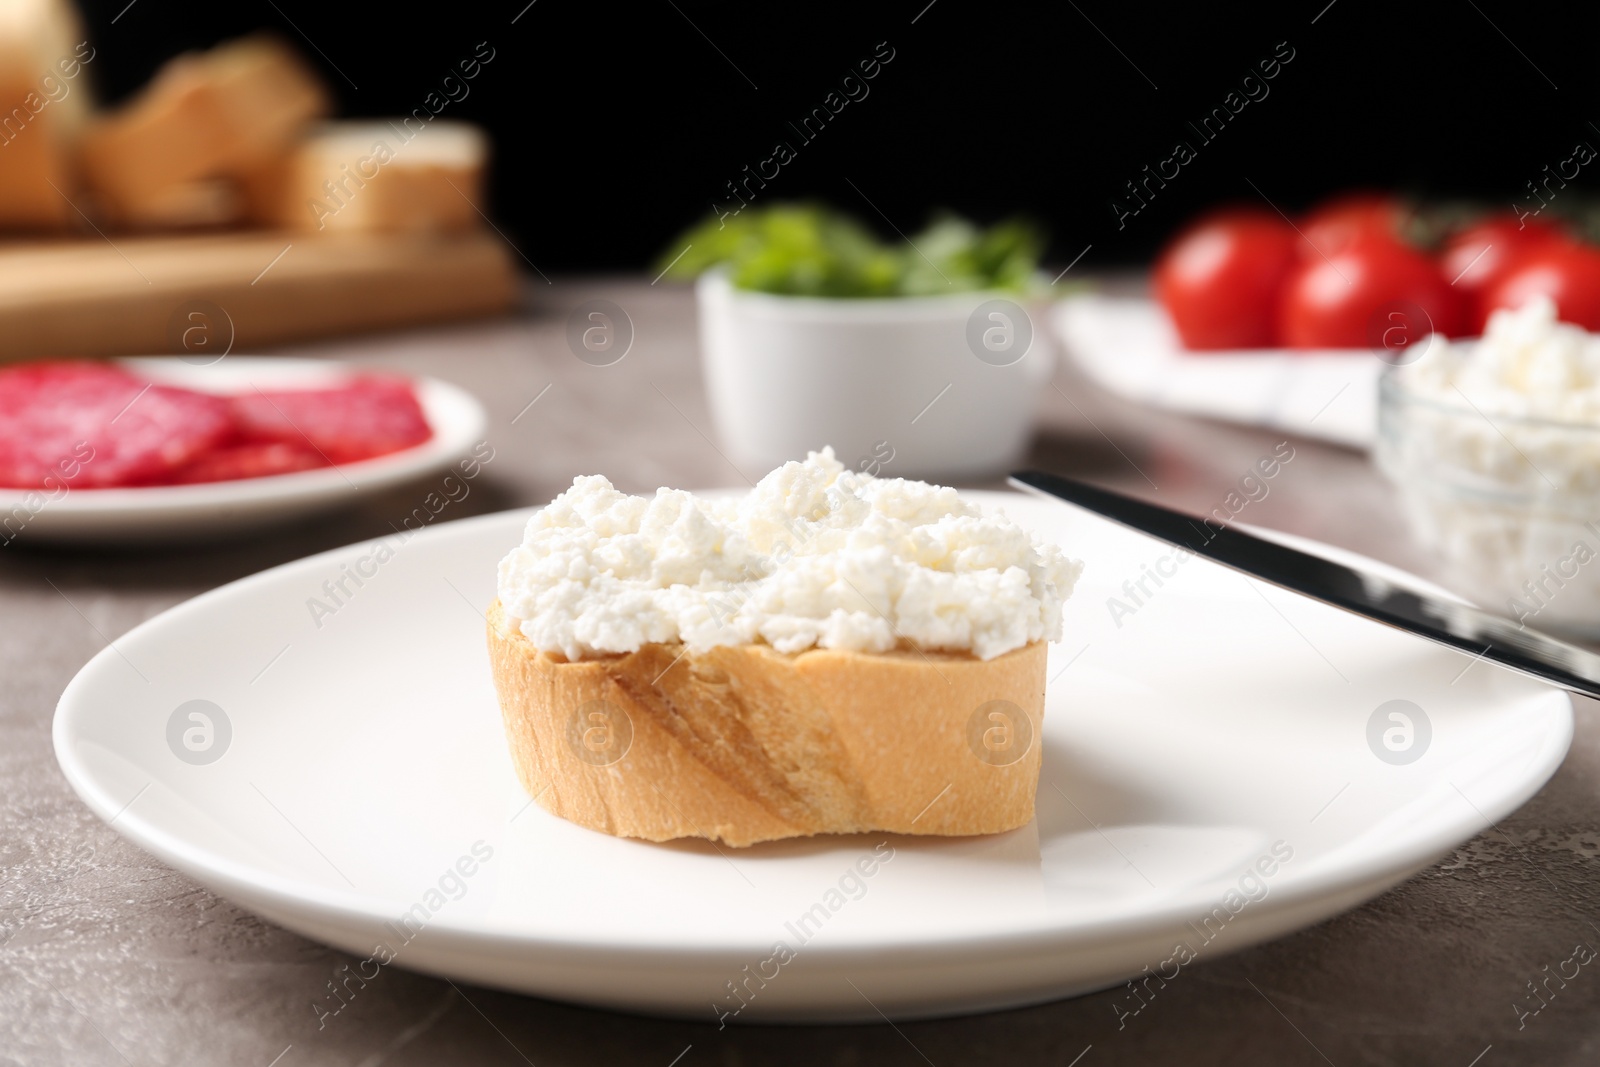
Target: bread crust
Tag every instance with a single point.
(39, 129)
(744, 744)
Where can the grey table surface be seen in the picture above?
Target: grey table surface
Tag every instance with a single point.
(107, 956)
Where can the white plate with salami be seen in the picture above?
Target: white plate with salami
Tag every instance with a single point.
(152, 449)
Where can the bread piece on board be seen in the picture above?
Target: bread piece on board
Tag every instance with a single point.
(44, 104)
(376, 177)
(205, 116)
(745, 744)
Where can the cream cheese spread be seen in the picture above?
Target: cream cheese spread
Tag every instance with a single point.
(814, 556)
(1528, 365)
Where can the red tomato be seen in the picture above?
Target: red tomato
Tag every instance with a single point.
(1564, 270)
(1334, 224)
(1221, 278)
(1480, 255)
(1368, 295)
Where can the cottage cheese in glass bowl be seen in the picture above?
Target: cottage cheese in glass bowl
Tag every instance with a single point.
(1495, 447)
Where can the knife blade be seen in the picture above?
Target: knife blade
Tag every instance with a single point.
(1466, 629)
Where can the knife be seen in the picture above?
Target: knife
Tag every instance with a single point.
(1467, 629)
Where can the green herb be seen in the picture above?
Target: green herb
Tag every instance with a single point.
(809, 250)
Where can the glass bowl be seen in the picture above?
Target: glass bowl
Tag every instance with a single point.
(1510, 506)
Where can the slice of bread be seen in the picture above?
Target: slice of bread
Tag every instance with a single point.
(745, 744)
(205, 117)
(44, 104)
(376, 177)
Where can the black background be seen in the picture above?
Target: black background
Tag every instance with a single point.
(616, 125)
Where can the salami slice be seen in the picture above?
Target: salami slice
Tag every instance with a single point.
(94, 425)
(249, 459)
(368, 417)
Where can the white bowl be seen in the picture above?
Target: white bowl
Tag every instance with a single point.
(893, 384)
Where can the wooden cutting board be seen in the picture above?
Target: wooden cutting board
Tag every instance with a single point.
(199, 294)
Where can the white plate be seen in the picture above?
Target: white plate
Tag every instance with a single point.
(155, 513)
(1129, 347)
(366, 759)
